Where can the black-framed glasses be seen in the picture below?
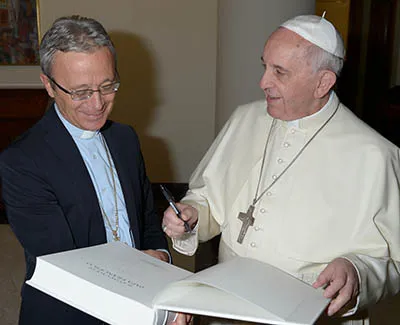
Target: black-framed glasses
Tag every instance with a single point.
(84, 94)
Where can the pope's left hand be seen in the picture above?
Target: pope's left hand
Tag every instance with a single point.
(341, 284)
(163, 256)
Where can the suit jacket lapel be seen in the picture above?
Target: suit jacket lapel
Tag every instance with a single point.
(91, 231)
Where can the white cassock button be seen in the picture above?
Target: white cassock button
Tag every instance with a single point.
(253, 244)
(274, 177)
(286, 144)
(256, 228)
(262, 210)
(293, 131)
(280, 161)
(269, 193)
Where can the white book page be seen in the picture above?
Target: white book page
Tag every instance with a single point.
(286, 299)
(205, 300)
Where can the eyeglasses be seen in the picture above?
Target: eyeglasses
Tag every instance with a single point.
(84, 94)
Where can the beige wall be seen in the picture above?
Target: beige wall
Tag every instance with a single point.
(15, 77)
(167, 63)
(168, 59)
(243, 28)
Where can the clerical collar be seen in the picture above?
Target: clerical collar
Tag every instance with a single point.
(73, 130)
(296, 123)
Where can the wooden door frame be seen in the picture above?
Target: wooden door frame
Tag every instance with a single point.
(366, 76)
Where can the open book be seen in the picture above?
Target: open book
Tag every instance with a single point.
(121, 285)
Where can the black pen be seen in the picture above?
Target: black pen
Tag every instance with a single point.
(171, 202)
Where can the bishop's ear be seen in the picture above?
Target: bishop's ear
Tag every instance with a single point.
(327, 80)
(47, 84)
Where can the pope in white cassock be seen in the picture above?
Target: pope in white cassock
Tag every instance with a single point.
(299, 182)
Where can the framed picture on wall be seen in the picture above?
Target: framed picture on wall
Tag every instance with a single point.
(19, 44)
(19, 32)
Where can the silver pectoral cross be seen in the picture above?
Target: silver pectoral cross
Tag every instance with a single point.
(248, 220)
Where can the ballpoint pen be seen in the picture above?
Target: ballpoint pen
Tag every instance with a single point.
(171, 202)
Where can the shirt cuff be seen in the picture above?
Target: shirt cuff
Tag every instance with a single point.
(355, 308)
(187, 244)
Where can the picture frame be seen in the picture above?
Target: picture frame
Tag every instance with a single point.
(19, 44)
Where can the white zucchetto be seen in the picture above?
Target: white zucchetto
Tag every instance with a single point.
(318, 31)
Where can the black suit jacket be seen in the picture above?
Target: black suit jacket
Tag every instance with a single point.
(52, 205)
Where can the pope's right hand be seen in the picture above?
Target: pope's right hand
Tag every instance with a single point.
(173, 226)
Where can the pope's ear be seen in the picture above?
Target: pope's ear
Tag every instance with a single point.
(47, 84)
(327, 80)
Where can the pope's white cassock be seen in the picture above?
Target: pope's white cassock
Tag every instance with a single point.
(339, 197)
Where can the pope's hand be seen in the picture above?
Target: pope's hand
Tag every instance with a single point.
(341, 284)
(173, 226)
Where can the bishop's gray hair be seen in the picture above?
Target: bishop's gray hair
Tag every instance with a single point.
(323, 60)
(73, 34)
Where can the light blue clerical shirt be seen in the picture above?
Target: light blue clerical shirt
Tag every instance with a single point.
(93, 152)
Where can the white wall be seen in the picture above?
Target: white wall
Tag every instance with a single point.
(244, 26)
(167, 62)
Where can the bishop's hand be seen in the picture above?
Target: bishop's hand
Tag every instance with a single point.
(182, 319)
(173, 226)
(161, 255)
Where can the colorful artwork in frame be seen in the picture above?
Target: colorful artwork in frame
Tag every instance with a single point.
(19, 39)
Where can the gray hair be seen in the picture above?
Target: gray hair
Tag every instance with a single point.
(323, 60)
(73, 34)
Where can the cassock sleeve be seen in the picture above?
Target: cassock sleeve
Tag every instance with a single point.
(380, 276)
(199, 197)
